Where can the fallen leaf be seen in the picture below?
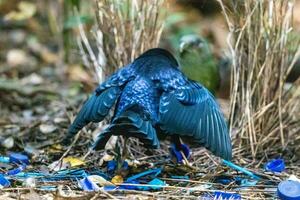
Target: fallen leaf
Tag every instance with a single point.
(46, 128)
(73, 161)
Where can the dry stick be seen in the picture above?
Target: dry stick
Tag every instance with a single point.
(59, 162)
(103, 192)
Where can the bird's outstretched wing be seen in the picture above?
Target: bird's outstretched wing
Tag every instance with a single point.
(192, 111)
(102, 100)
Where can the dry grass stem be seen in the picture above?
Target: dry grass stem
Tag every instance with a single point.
(263, 111)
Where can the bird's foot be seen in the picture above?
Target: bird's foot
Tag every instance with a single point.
(181, 153)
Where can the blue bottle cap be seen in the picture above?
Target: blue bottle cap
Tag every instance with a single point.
(276, 165)
(289, 190)
(18, 158)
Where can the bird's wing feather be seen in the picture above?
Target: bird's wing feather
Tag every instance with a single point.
(192, 111)
(95, 109)
(119, 78)
(102, 100)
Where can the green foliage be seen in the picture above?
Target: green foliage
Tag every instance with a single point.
(201, 66)
(74, 21)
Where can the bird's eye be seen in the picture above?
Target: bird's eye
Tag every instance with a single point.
(200, 45)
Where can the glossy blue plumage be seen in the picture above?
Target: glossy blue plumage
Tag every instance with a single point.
(151, 96)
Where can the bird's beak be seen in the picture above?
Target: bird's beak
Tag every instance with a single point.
(182, 47)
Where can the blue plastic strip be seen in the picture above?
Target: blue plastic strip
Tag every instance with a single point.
(145, 173)
(4, 159)
(241, 169)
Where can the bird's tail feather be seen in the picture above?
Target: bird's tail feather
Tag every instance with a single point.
(129, 124)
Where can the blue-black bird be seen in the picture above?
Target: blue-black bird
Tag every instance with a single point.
(153, 99)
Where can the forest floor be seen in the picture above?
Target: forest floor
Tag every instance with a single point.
(40, 95)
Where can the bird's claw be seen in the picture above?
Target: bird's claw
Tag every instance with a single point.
(180, 154)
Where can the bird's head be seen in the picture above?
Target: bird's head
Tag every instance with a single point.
(192, 42)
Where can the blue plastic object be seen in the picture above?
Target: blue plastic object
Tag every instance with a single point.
(289, 190)
(126, 185)
(4, 159)
(48, 187)
(125, 165)
(18, 158)
(3, 181)
(155, 172)
(177, 154)
(87, 185)
(227, 196)
(181, 177)
(224, 180)
(111, 166)
(241, 169)
(276, 165)
(16, 170)
(156, 184)
(248, 183)
(110, 187)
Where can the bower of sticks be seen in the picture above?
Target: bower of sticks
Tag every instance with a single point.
(53, 54)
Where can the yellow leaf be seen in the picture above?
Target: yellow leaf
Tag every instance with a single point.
(73, 161)
(117, 180)
(55, 148)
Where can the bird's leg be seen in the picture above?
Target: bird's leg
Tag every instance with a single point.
(179, 147)
(125, 149)
(122, 154)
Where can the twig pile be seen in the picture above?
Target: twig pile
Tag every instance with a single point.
(263, 111)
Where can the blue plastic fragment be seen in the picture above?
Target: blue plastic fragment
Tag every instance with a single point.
(227, 196)
(225, 180)
(289, 190)
(156, 184)
(70, 174)
(111, 166)
(127, 185)
(109, 187)
(125, 165)
(18, 158)
(3, 181)
(87, 185)
(181, 177)
(276, 165)
(4, 159)
(16, 170)
(155, 172)
(241, 169)
(48, 187)
(177, 154)
(248, 183)
(206, 197)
